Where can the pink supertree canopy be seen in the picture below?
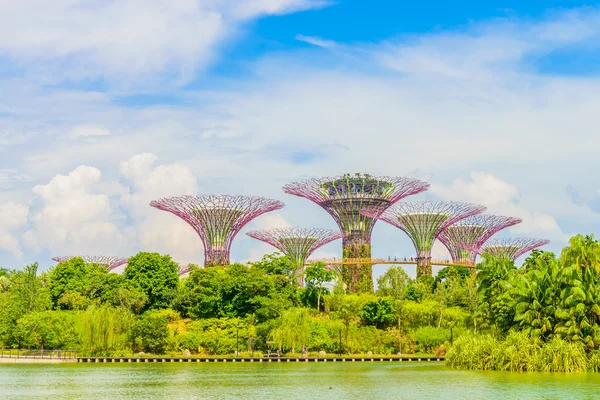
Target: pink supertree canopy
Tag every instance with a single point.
(344, 197)
(110, 262)
(511, 248)
(473, 231)
(217, 219)
(423, 221)
(297, 243)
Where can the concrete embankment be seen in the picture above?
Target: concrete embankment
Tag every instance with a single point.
(255, 359)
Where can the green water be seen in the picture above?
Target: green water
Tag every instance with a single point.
(368, 380)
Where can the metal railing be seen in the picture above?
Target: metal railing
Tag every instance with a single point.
(39, 354)
(389, 260)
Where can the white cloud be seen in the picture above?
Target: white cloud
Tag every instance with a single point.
(316, 41)
(500, 198)
(69, 217)
(254, 8)
(87, 131)
(159, 230)
(10, 176)
(443, 105)
(14, 218)
(132, 39)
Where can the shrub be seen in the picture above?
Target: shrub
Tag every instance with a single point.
(429, 338)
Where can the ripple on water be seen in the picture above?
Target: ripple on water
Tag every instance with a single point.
(368, 380)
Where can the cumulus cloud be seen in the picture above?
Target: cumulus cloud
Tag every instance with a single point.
(500, 198)
(437, 105)
(69, 217)
(14, 218)
(159, 230)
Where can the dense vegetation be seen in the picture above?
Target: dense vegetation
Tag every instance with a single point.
(214, 310)
(541, 316)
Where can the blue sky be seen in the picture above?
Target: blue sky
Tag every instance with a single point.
(107, 105)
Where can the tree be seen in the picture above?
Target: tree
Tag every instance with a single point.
(275, 264)
(46, 330)
(26, 294)
(293, 329)
(150, 332)
(155, 276)
(315, 276)
(379, 313)
(393, 283)
(75, 284)
(580, 312)
(236, 291)
(493, 281)
(536, 295)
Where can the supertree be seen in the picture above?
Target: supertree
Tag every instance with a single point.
(344, 197)
(510, 248)
(217, 219)
(473, 231)
(110, 262)
(296, 243)
(423, 221)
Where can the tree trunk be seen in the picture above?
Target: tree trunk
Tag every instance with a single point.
(319, 302)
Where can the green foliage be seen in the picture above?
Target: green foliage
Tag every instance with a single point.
(26, 294)
(393, 283)
(104, 329)
(428, 338)
(358, 278)
(378, 313)
(214, 336)
(276, 264)
(315, 276)
(236, 291)
(518, 353)
(292, 330)
(74, 285)
(46, 330)
(150, 332)
(155, 276)
(544, 316)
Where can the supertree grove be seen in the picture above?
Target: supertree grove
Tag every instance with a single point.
(110, 262)
(423, 221)
(217, 219)
(297, 243)
(510, 248)
(344, 197)
(473, 231)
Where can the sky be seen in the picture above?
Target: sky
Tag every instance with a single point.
(106, 105)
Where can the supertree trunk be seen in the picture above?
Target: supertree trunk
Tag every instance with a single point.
(216, 258)
(424, 263)
(357, 277)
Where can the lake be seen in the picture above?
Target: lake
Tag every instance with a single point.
(360, 380)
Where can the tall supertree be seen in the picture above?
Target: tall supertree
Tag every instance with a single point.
(423, 221)
(473, 231)
(296, 243)
(110, 262)
(510, 248)
(344, 197)
(217, 219)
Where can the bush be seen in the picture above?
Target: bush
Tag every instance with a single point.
(519, 353)
(150, 333)
(213, 336)
(429, 338)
